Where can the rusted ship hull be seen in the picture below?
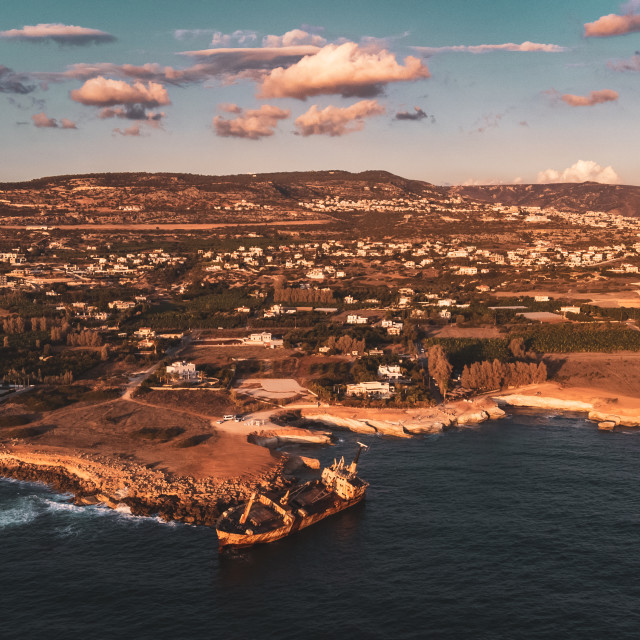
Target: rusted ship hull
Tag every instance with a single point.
(239, 541)
(268, 517)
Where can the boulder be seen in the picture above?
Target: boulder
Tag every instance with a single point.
(607, 425)
(472, 417)
(417, 428)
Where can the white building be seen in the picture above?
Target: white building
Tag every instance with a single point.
(377, 389)
(354, 318)
(261, 338)
(183, 370)
(389, 371)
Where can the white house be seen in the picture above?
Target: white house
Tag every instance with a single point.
(183, 370)
(378, 389)
(389, 371)
(260, 338)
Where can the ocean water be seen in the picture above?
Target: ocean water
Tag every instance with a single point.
(524, 528)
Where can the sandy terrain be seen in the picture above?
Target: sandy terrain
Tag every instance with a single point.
(611, 372)
(609, 299)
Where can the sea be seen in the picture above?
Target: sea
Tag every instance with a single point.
(527, 527)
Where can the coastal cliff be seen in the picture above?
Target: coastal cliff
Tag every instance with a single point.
(605, 408)
(124, 484)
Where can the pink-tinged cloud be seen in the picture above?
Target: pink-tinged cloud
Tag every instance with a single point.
(133, 112)
(581, 171)
(525, 47)
(104, 92)
(229, 107)
(226, 63)
(251, 124)
(60, 33)
(345, 69)
(294, 38)
(253, 53)
(595, 97)
(40, 120)
(612, 25)
(133, 130)
(337, 121)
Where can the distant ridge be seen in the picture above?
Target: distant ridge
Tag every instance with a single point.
(585, 196)
(286, 188)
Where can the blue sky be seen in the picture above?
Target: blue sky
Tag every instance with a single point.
(322, 85)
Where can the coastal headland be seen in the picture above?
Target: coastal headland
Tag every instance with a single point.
(195, 465)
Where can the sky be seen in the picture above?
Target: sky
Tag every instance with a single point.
(447, 91)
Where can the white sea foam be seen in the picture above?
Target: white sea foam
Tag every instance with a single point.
(18, 516)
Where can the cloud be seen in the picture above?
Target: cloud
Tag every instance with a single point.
(252, 124)
(293, 38)
(240, 36)
(133, 112)
(60, 33)
(223, 62)
(416, 114)
(475, 182)
(630, 64)
(614, 24)
(104, 93)
(218, 39)
(41, 121)
(229, 107)
(345, 69)
(595, 97)
(581, 171)
(252, 54)
(181, 34)
(525, 47)
(133, 130)
(11, 82)
(337, 121)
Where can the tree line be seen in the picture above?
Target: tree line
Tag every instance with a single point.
(487, 376)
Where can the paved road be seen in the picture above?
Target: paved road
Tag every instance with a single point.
(135, 382)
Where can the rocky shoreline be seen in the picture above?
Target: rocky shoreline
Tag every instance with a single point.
(123, 484)
(403, 423)
(119, 482)
(606, 410)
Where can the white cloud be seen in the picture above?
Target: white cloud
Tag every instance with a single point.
(346, 69)
(336, 121)
(60, 33)
(294, 38)
(251, 124)
(525, 47)
(581, 171)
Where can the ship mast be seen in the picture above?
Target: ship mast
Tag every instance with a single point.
(354, 464)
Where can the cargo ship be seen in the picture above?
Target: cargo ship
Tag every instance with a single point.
(266, 518)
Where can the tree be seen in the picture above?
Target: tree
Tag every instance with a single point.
(439, 368)
(517, 348)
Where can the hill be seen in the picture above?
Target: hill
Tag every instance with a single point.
(587, 196)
